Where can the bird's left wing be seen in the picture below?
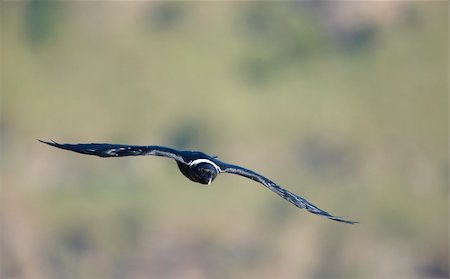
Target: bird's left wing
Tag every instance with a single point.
(120, 150)
(285, 194)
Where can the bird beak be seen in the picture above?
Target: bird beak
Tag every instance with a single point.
(209, 181)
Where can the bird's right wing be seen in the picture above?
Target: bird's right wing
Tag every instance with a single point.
(120, 150)
(285, 194)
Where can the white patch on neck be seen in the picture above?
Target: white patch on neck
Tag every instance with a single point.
(198, 161)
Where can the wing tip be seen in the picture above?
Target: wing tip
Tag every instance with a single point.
(51, 142)
(342, 220)
(325, 214)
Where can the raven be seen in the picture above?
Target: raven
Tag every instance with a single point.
(197, 166)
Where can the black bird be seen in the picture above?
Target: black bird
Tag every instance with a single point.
(197, 166)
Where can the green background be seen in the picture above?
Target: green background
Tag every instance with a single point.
(342, 103)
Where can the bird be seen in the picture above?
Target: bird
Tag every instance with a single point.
(196, 166)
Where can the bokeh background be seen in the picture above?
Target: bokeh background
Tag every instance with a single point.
(344, 103)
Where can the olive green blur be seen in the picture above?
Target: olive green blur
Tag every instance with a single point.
(343, 103)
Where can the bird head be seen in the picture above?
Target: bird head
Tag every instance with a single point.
(204, 173)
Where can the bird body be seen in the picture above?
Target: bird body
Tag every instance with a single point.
(195, 165)
(202, 170)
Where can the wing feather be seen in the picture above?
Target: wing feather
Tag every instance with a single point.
(285, 194)
(120, 150)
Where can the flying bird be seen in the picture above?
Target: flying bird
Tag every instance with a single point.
(197, 166)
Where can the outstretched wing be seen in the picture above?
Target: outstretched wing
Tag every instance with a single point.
(120, 150)
(285, 194)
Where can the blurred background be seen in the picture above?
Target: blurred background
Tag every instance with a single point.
(343, 103)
